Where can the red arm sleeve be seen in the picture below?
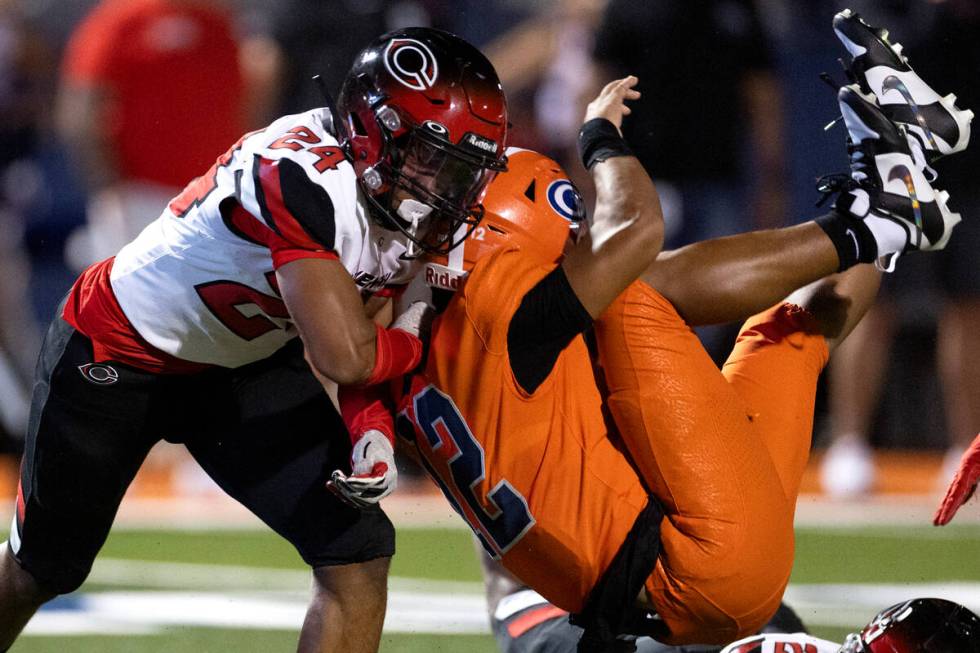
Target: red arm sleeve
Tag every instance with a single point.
(396, 353)
(366, 408)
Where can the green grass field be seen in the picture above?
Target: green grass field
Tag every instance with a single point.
(439, 561)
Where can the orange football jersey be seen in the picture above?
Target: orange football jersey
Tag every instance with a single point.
(534, 475)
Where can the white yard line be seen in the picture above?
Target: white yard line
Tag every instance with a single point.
(201, 576)
(411, 611)
(215, 511)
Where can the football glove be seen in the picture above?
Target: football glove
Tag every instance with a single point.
(373, 473)
(963, 487)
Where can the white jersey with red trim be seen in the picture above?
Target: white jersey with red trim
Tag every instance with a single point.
(199, 282)
(782, 643)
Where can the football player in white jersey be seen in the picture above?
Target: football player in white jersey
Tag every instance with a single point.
(196, 331)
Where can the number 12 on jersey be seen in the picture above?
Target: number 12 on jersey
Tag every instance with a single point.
(502, 518)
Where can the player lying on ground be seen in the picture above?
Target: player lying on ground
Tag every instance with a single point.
(522, 621)
(190, 332)
(916, 626)
(508, 419)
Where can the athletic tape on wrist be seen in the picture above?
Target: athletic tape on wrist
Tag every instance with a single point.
(599, 140)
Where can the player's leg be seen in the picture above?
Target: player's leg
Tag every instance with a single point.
(723, 453)
(778, 358)
(347, 608)
(730, 278)
(694, 443)
(85, 441)
(691, 433)
(273, 451)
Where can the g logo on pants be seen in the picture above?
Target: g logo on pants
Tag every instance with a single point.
(98, 373)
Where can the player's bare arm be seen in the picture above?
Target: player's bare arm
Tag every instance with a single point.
(627, 230)
(327, 309)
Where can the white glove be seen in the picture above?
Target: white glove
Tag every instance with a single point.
(373, 473)
(416, 319)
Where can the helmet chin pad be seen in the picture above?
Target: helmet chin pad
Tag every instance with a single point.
(412, 211)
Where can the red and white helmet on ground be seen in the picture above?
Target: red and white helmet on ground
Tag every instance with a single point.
(426, 121)
(919, 626)
(532, 206)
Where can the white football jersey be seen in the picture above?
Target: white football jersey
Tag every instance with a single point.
(782, 643)
(199, 282)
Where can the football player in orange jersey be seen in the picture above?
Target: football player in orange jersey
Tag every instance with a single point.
(686, 508)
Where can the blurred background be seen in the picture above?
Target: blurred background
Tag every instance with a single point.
(107, 108)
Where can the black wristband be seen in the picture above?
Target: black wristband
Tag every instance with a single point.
(599, 140)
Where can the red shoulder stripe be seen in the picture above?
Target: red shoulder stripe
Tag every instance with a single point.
(246, 226)
(532, 618)
(281, 219)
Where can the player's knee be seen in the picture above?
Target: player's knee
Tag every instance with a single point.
(358, 583)
(757, 578)
(26, 586)
(63, 581)
(739, 573)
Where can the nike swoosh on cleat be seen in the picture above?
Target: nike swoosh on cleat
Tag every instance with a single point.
(902, 172)
(857, 247)
(893, 83)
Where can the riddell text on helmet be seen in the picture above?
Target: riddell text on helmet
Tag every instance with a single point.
(438, 276)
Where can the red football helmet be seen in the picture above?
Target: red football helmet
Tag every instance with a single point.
(425, 121)
(919, 626)
(532, 205)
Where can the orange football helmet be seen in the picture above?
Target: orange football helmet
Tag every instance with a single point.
(532, 206)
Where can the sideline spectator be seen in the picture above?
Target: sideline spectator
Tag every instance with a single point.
(152, 93)
(25, 74)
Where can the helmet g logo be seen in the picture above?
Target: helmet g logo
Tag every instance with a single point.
(565, 200)
(412, 63)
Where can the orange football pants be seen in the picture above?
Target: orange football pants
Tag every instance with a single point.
(724, 451)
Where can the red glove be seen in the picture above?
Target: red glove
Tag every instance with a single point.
(963, 486)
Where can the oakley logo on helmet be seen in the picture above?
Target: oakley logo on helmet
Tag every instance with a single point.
(99, 374)
(481, 143)
(565, 200)
(412, 63)
(435, 127)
